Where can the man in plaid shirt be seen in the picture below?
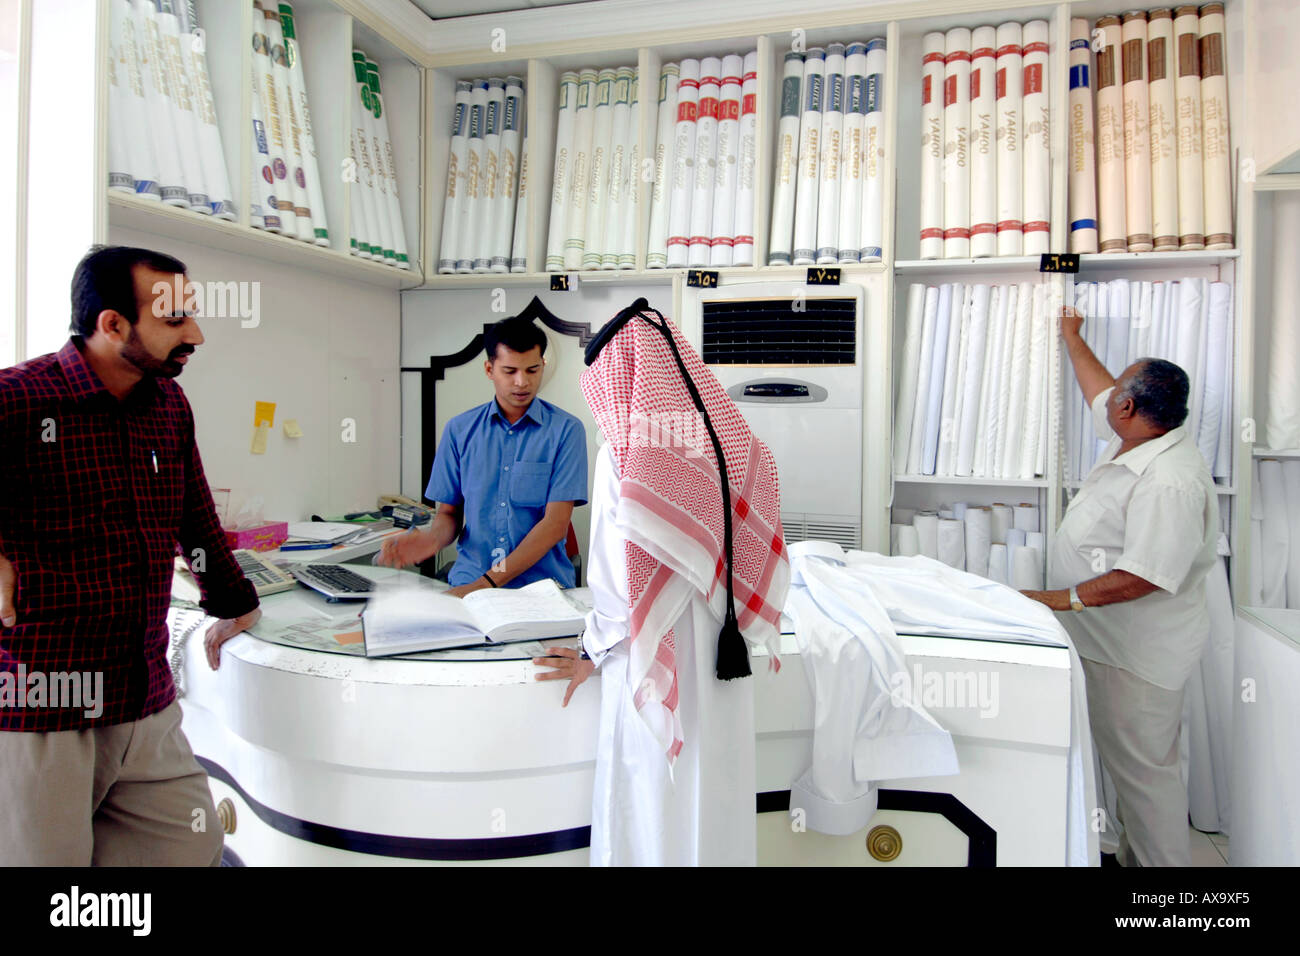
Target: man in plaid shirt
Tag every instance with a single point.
(100, 480)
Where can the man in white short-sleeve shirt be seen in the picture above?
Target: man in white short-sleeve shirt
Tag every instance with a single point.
(1128, 568)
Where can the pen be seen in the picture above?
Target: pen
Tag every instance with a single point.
(313, 546)
(154, 455)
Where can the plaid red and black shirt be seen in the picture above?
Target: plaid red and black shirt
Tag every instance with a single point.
(95, 495)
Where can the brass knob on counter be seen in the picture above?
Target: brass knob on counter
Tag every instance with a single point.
(226, 814)
(884, 843)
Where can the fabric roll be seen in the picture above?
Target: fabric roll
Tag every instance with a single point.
(722, 240)
(872, 233)
(1035, 417)
(956, 143)
(1200, 373)
(1216, 157)
(1006, 372)
(700, 248)
(830, 165)
(978, 533)
(1083, 154)
(1117, 327)
(1275, 541)
(968, 423)
(952, 543)
(1140, 305)
(853, 166)
(1010, 102)
(282, 190)
(1137, 135)
(564, 129)
(947, 513)
(988, 385)
(893, 537)
(1019, 385)
(1000, 522)
(1156, 344)
(997, 570)
(1187, 134)
(983, 143)
(1163, 121)
(122, 135)
(491, 188)
(519, 238)
(157, 96)
(683, 168)
(1190, 318)
(1037, 201)
(1255, 596)
(455, 192)
(186, 123)
(598, 170)
(133, 110)
(951, 388)
(665, 135)
(1027, 569)
(1015, 538)
(924, 377)
(905, 398)
(627, 237)
(1282, 392)
(931, 209)
(1025, 517)
(475, 207)
(1226, 444)
(1208, 711)
(215, 173)
(959, 509)
(902, 515)
(787, 161)
(1215, 387)
(938, 369)
(508, 162)
(616, 194)
(579, 175)
(810, 149)
(1036, 540)
(747, 178)
(909, 542)
(264, 210)
(1291, 489)
(927, 533)
(1111, 222)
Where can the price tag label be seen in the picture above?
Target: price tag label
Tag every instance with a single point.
(820, 275)
(1059, 262)
(701, 279)
(560, 283)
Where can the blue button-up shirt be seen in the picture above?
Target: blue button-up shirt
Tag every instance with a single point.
(502, 476)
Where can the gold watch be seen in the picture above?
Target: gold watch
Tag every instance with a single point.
(1075, 603)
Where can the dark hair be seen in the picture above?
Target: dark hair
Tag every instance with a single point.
(1159, 392)
(515, 333)
(105, 279)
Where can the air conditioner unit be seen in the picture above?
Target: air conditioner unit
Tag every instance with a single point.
(790, 356)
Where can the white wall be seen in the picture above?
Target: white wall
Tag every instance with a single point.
(325, 349)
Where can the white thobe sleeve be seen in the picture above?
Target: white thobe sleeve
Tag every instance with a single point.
(1099, 420)
(607, 621)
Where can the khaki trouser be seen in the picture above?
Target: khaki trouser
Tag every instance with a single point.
(124, 795)
(1135, 726)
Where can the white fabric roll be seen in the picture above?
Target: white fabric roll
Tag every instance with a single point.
(1117, 326)
(1190, 319)
(519, 237)
(830, 166)
(275, 128)
(1083, 150)
(852, 165)
(455, 191)
(1015, 539)
(1035, 417)
(476, 206)
(264, 210)
(1198, 374)
(1021, 361)
(564, 133)
(986, 411)
(905, 397)
(683, 168)
(1025, 517)
(157, 95)
(122, 133)
(1215, 387)
(902, 515)
(932, 145)
(1226, 444)
(872, 233)
(983, 143)
(909, 542)
(617, 195)
(185, 121)
(998, 563)
(1001, 521)
(960, 310)
(893, 537)
(1141, 307)
(787, 161)
(956, 143)
(743, 241)
(1163, 124)
(1006, 371)
(133, 133)
(387, 162)
(1037, 202)
(973, 380)
(810, 149)
(1275, 542)
(665, 134)
(1036, 539)
(706, 162)
(1137, 136)
(579, 184)
(1282, 425)
(598, 169)
(1187, 89)
(947, 513)
(722, 239)
(494, 120)
(298, 96)
(1010, 103)
(1291, 489)
(952, 543)
(1112, 227)
(1027, 569)
(924, 375)
(938, 370)
(927, 533)
(1216, 153)
(979, 529)
(959, 509)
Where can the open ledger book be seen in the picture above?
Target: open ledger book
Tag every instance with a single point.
(405, 620)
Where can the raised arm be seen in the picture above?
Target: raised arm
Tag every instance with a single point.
(1091, 374)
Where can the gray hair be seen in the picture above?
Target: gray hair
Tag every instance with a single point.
(1159, 391)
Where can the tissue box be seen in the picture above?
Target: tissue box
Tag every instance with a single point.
(265, 537)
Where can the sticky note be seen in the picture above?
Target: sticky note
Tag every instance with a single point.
(264, 413)
(349, 637)
(259, 439)
(291, 429)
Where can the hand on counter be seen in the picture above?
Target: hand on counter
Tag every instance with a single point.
(478, 584)
(1054, 600)
(403, 550)
(224, 630)
(567, 666)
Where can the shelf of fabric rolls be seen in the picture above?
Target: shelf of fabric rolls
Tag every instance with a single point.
(289, 183)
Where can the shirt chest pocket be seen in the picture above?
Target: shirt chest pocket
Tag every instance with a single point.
(529, 483)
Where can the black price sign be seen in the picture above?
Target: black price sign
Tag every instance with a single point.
(821, 276)
(1059, 262)
(560, 283)
(702, 279)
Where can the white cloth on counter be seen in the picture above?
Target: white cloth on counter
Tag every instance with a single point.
(917, 596)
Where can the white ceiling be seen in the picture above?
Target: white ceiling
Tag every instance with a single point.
(443, 9)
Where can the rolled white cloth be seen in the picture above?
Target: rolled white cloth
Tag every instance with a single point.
(905, 401)
(998, 563)
(909, 542)
(952, 543)
(1002, 521)
(927, 533)
(979, 528)
(1026, 517)
(1027, 569)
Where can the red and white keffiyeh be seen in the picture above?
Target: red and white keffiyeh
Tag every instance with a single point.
(670, 509)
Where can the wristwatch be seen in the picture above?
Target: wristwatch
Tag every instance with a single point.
(1075, 603)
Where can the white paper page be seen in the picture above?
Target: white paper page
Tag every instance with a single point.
(399, 619)
(535, 611)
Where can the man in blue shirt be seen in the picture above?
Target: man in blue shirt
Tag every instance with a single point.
(506, 477)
